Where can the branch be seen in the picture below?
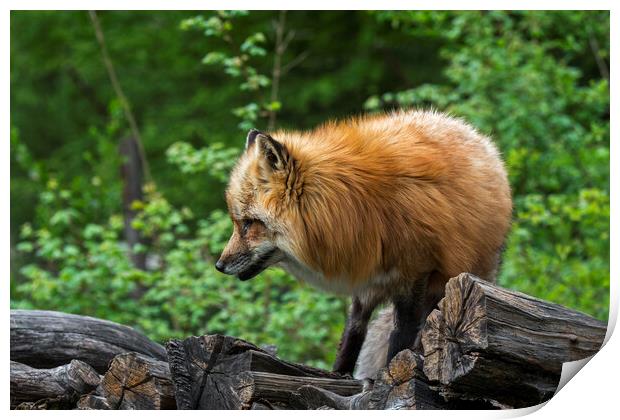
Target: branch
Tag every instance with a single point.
(119, 91)
(277, 63)
(294, 62)
(600, 62)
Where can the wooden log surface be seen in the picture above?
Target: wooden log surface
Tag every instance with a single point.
(280, 389)
(93, 402)
(401, 385)
(45, 339)
(138, 382)
(489, 341)
(316, 398)
(209, 372)
(63, 402)
(69, 381)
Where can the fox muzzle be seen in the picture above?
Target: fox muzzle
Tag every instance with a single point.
(245, 266)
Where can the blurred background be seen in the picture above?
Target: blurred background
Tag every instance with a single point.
(124, 126)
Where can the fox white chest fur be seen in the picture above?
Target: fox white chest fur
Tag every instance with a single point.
(373, 285)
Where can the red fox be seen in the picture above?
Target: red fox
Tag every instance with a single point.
(384, 208)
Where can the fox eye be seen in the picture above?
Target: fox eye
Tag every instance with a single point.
(246, 225)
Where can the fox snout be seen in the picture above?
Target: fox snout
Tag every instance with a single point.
(245, 265)
(235, 264)
(220, 266)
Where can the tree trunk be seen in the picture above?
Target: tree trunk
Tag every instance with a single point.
(131, 173)
(45, 339)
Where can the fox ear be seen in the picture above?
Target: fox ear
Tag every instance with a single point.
(249, 141)
(271, 151)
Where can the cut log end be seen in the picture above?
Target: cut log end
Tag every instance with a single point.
(135, 381)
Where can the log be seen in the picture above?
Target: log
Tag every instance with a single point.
(46, 339)
(402, 385)
(63, 402)
(399, 386)
(218, 372)
(263, 405)
(281, 389)
(69, 381)
(138, 382)
(316, 398)
(93, 402)
(488, 341)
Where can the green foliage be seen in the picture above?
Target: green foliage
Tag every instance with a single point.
(235, 62)
(531, 80)
(569, 263)
(216, 158)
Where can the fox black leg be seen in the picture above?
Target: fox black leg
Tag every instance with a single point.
(409, 311)
(353, 337)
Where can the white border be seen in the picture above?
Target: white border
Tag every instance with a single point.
(592, 393)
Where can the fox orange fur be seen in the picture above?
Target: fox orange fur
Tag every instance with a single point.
(383, 208)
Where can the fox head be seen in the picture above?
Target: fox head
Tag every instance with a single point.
(256, 201)
(295, 200)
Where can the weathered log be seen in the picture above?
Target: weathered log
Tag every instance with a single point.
(138, 382)
(208, 372)
(45, 339)
(279, 389)
(69, 381)
(93, 402)
(488, 341)
(263, 405)
(62, 402)
(402, 385)
(316, 398)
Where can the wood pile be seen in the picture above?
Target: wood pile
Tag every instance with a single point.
(484, 348)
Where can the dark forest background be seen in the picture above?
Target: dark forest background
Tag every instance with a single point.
(124, 126)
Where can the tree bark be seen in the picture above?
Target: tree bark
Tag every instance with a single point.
(138, 382)
(45, 339)
(488, 341)
(67, 382)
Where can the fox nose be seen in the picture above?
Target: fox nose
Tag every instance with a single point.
(219, 266)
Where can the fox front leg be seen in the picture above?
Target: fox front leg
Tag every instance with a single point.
(409, 312)
(353, 336)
